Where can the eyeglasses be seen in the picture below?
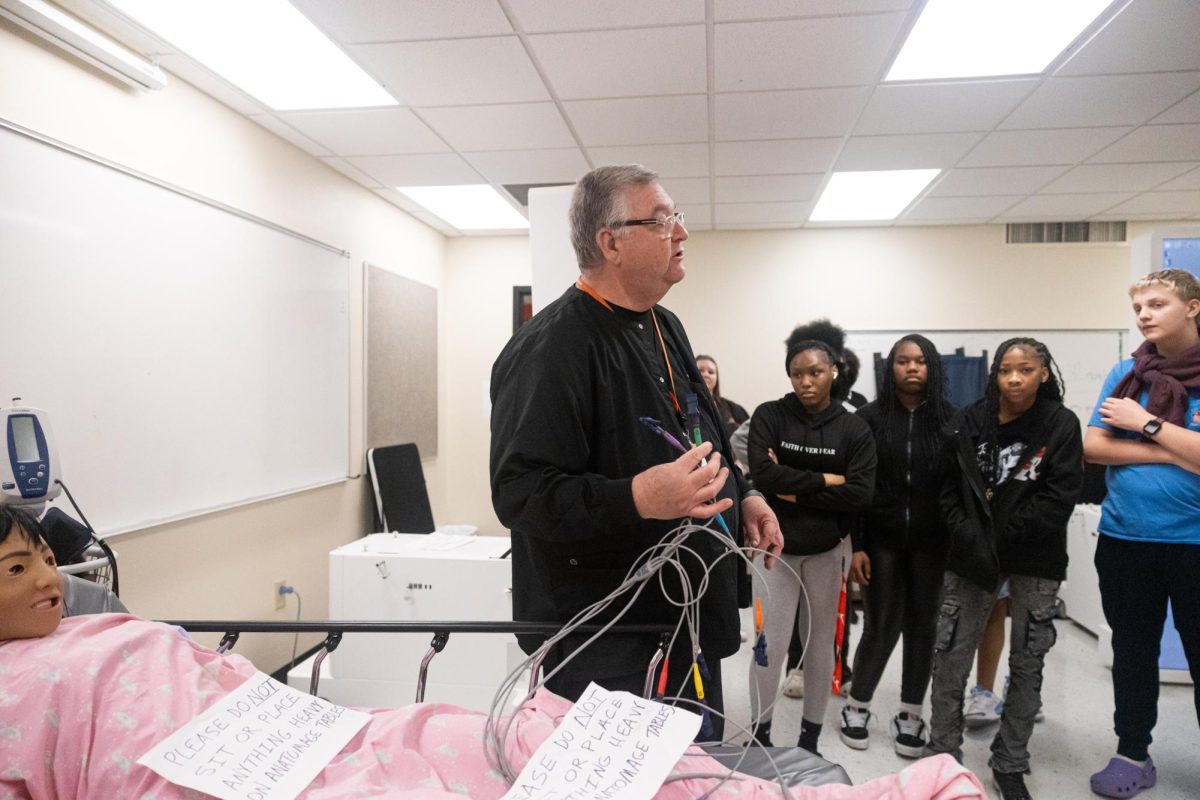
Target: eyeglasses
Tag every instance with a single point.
(664, 225)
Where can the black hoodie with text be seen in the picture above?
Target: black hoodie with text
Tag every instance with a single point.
(807, 446)
(1021, 528)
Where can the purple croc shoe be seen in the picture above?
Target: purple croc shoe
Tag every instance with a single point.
(1123, 778)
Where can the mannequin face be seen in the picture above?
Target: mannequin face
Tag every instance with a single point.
(812, 379)
(30, 589)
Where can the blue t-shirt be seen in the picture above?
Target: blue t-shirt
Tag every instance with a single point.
(1149, 502)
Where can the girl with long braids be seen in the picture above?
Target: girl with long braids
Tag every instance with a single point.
(1014, 471)
(901, 557)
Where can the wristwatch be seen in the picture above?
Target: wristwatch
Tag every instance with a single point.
(1152, 427)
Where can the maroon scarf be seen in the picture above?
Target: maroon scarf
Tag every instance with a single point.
(1168, 378)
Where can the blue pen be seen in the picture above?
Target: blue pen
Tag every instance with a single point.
(656, 426)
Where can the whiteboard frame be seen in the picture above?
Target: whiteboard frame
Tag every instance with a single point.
(99, 160)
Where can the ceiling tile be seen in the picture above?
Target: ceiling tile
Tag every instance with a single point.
(1155, 143)
(768, 188)
(983, 181)
(440, 169)
(1115, 177)
(469, 71)
(806, 113)
(579, 15)
(960, 209)
(1101, 100)
(367, 132)
(519, 126)
(942, 107)
(668, 160)
(745, 213)
(795, 54)
(1033, 148)
(1155, 36)
(288, 133)
(1185, 111)
(908, 151)
(1064, 207)
(1190, 180)
(1160, 203)
(688, 192)
(352, 172)
(726, 10)
(779, 156)
(354, 21)
(616, 62)
(530, 166)
(640, 120)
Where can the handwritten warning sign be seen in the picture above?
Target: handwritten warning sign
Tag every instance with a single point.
(262, 741)
(609, 745)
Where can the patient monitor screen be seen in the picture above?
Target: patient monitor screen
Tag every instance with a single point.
(25, 438)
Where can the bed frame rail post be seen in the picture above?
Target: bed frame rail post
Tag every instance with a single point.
(332, 640)
(436, 646)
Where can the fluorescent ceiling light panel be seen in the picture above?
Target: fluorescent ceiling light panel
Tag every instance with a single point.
(472, 207)
(97, 49)
(266, 48)
(866, 196)
(976, 38)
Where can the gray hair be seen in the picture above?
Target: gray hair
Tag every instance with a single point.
(599, 202)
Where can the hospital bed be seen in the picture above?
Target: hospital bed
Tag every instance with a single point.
(794, 766)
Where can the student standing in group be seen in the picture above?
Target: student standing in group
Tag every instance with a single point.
(732, 415)
(902, 555)
(815, 462)
(1015, 470)
(1146, 427)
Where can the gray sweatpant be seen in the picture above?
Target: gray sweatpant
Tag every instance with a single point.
(964, 612)
(822, 575)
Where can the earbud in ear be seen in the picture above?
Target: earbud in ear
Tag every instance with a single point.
(835, 373)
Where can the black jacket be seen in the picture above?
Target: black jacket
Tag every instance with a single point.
(807, 446)
(567, 392)
(906, 509)
(1022, 529)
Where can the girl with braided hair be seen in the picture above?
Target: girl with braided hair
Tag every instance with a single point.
(1014, 470)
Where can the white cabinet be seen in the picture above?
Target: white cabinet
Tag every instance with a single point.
(1081, 591)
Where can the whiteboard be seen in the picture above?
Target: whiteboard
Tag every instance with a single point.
(1085, 357)
(189, 358)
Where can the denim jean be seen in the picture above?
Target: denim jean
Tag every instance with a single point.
(964, 612)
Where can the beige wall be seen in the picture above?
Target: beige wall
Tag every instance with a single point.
(224, 564)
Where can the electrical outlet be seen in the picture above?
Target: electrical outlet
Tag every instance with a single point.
(280, 598)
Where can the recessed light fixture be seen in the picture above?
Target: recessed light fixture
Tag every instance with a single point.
(266, 48)
(868, 196)
(976, 38)
(471, 207)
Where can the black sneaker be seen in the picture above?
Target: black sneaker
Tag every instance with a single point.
(908, 732)
(854, 727)
(1011, 785)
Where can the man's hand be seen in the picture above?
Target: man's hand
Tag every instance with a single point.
(682, 488)
(1124, 413)
(761, 528)
(860, 569)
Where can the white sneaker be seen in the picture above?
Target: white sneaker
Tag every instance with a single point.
(793, 684)
(982, 708)
(908, 733)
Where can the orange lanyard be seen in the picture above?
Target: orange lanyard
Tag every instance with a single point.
(583, 286)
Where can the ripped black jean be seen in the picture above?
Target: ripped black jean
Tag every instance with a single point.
(964, 611)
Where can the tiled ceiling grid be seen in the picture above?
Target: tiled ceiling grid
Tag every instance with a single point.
(747, 107)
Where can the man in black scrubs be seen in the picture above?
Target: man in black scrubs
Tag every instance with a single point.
(586, 488)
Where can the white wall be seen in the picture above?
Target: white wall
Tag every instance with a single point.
(223, 565)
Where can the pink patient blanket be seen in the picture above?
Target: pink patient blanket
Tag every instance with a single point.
(79, 707)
